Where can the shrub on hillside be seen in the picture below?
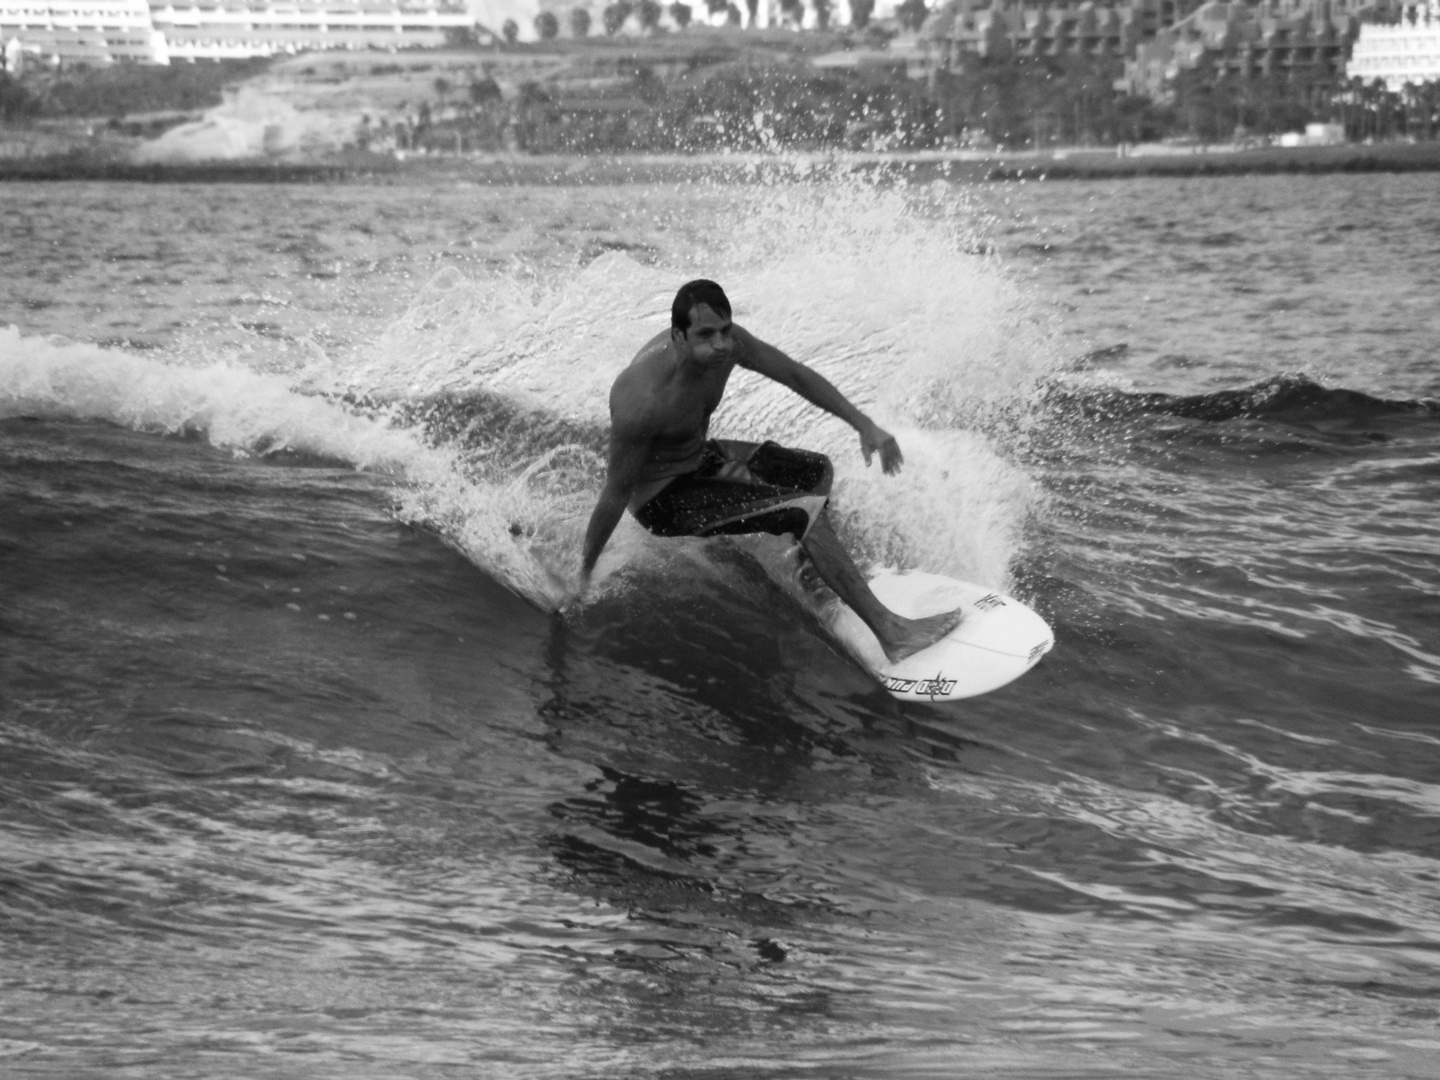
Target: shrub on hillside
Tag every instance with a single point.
(784, 107)
(484, 91)
(121, 89)
(735, 108)
(912, 14)
(461, 37)
(615, 15)
(1071, 100)
(16, 103)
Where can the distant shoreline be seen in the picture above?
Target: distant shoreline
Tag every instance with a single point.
(1348, 158)
(520, 169)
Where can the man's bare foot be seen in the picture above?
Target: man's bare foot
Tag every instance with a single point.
(909, 636)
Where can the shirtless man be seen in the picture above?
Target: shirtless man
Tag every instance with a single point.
(676, 482)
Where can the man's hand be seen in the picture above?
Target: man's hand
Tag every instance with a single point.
(630, 437)
(769, 361)
(572, 591)
(873, 438)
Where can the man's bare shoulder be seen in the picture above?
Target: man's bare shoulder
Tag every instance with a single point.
(744, 338)
(656, 346)
(650, 365)
(753, 353)
(632, 396)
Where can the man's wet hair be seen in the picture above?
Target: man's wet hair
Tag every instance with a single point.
(700, 291)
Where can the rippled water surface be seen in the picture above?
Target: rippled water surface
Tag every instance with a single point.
(301, 775)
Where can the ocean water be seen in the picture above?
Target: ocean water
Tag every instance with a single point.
(313, 765)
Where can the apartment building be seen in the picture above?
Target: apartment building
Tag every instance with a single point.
(1009, 28)
(159, 31)
(1157, 39)
(1403, 49)
(82, 31)
(1298, 40)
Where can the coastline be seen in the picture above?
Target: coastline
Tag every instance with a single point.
(1349, 157)
(102, 164)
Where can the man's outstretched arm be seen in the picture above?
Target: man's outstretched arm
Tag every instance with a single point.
(629, 450)
(766, 359)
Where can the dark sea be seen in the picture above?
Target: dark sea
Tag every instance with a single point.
(313, 765)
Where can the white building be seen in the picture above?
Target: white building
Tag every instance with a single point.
(89, 31)
(1405, 52)
(157, 31)
(205, 30)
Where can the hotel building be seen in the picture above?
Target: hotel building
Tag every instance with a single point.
(1400, 52)
(80, 31)
(158, 31)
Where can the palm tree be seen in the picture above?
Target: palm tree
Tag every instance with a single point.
(912, 14)
(615, 16)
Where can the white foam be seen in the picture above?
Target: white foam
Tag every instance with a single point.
(238, 409)
(249, 412)
(878, 289)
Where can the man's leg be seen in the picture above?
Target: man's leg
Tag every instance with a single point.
(899, 637)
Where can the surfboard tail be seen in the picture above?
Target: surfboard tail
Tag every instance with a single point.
(997, 640)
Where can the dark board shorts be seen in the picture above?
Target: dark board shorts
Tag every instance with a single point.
(743, 487)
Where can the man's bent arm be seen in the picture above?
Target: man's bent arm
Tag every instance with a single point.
(628, 454)
(766, 359)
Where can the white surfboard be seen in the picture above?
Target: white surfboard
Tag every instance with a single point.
(997, 641)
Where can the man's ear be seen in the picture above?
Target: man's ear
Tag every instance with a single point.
(676, 334)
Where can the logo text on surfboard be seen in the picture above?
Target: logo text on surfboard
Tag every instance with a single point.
(936, 687)
(985, 603)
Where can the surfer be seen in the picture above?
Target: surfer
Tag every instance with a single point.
(676, 482)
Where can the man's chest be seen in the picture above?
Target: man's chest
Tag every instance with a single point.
(684, 412)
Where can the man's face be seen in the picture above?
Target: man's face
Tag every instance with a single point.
(710, 338)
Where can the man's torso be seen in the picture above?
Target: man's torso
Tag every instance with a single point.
(678, 413)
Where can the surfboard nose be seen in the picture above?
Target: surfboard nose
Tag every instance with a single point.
(997, 641)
